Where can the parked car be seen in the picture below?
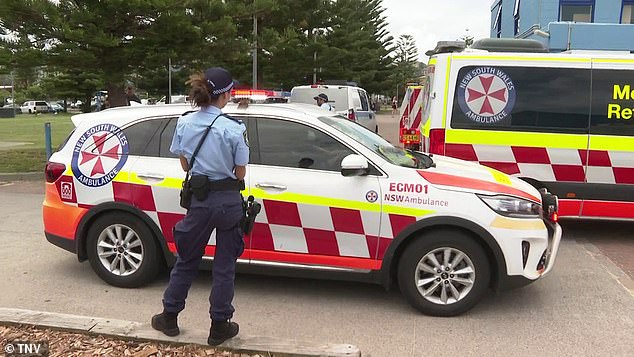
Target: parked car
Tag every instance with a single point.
(16, 107)
(351, 102)
(34, 106)
(55, 107)
(336, 198)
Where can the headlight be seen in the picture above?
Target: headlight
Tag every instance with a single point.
(512, 206)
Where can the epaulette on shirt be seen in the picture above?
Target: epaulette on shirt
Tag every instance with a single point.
(224, 115)
(232, 118)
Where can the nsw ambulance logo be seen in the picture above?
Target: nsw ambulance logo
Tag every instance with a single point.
(99, 155)
(486, 95)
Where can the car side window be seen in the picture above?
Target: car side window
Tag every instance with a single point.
(289, 144)
(144, 137)
(365, 106)
(612, 99)
(166, 136)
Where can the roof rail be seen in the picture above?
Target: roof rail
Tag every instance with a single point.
(447, 47)
(509, 45)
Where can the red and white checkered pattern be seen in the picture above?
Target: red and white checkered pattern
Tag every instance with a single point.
(281, 226)
(322, 230)
(549, 164)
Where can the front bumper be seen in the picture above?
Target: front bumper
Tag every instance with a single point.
(554, 239)
(541, 259)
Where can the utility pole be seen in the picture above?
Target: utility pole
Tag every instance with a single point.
(255, 51)
(315, 58)
(13, 95)
(169, 79)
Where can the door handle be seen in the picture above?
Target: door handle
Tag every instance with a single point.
(270, 185)
(151, 176)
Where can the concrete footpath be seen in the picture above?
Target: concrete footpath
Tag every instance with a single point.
(144, 332)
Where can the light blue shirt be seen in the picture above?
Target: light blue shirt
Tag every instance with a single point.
(327, 106)
(225, 147)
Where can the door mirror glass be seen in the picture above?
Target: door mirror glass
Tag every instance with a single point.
(354, 165)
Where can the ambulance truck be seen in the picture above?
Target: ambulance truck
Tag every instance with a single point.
(561, 121)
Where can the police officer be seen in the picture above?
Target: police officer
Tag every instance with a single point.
(322, 102)
(222, 157)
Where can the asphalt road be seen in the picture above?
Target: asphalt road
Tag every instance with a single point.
(585, 307)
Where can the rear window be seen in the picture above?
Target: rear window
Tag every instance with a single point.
(337, 96)
(41, 104)
(522, 99)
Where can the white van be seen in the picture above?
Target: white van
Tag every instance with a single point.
(561, 121)
(351, 102)
(33, 106)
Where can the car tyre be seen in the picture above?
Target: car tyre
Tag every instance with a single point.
(464, 254)
(122, 250)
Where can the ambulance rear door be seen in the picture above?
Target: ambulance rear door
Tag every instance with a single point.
(526, 115)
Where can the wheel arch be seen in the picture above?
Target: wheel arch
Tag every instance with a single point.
(100, 210)
(389, 267)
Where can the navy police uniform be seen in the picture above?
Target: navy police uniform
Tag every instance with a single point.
(225, 147)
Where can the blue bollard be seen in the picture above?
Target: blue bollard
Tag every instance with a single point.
(47, 137)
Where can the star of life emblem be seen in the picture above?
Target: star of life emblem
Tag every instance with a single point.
(486, 95)
(371, 196)
(99, 155)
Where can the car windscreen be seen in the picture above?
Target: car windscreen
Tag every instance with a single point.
(372, 141)
(337, 97)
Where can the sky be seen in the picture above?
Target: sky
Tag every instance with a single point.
(430, 21)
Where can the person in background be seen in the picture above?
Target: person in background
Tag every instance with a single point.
(394, 104)
(322, 102)
(131, 96)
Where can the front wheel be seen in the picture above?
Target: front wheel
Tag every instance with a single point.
(122, 250)
(444, 273)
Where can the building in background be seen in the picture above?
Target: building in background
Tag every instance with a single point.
(567, 24)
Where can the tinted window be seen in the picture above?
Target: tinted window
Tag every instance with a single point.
(522, 99)
(144, 137)
(41, 104)
(612, 102)
(288, 144)
(166, 139)
(364, 101)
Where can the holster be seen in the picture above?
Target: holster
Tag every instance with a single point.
(250, 210)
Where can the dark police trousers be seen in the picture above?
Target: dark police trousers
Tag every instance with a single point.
(222, 211)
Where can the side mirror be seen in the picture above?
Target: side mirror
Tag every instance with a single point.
(354, 165)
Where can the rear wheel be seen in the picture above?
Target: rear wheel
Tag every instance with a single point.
(444, 273)
(122, 250)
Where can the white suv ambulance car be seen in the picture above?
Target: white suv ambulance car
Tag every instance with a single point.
(336, 198)
(562, 121)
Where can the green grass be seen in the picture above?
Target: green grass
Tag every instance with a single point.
(29, 129)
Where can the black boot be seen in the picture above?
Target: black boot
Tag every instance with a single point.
(166, 322)
(221, 331)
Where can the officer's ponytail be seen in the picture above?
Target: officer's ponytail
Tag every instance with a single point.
(200, 94)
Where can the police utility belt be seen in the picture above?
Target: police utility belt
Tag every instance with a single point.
(200, 186)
